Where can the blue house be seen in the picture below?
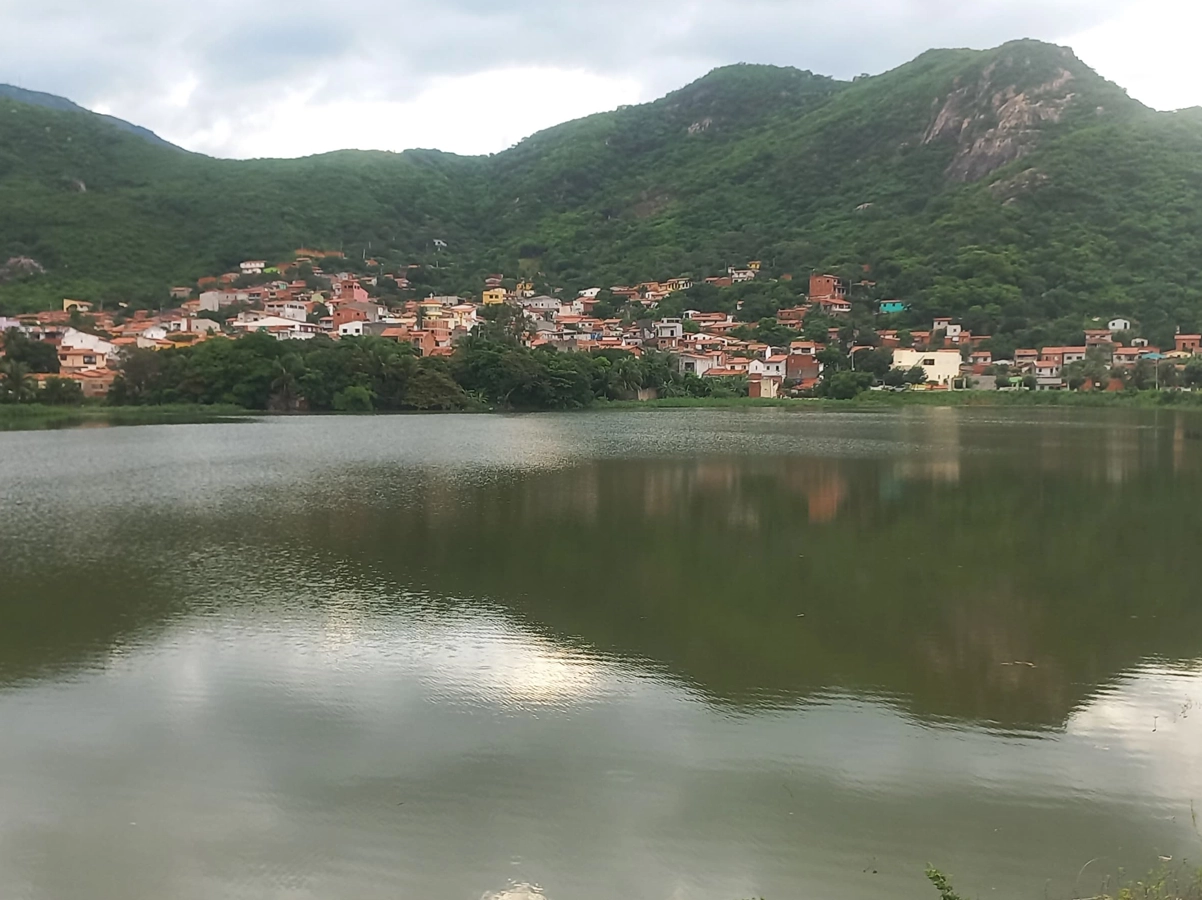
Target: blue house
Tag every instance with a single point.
(892, 306)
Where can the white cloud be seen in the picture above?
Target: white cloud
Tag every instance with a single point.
(478, 113)
(1150, 49)
(287, 79)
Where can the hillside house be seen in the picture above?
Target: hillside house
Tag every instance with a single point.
(775, 366)
(765, 387)
(297, 310)
(1188, 343)
(253, 267)
(355, 312)
(981, 357)
(941, 366)
(827, 287)
(1116, 325)
(694, 363)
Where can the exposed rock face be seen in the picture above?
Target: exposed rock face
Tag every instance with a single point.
(995, 125)
(20, 267)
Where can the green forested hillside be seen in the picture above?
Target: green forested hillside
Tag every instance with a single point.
(1011, 186)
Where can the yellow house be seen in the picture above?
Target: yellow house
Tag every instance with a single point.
(754, 265)
(493, 297)
(81, 305)
(525, 289)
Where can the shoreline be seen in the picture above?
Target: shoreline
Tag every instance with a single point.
(883, 400)
(27, 417)
(38, 417)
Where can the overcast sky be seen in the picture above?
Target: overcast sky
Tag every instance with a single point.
(246, 78)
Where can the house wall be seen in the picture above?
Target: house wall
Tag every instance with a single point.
(941, 366)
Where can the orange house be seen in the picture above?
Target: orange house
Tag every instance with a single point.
(1188, 343)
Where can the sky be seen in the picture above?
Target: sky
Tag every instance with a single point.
(250, 78)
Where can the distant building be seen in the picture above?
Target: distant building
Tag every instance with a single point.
(827, 287)
(493, 296)
(892, 306)
(767, 388)
(253, 267)
(769, 367)
(941, 366)
(1119, 325)
(1188, 343)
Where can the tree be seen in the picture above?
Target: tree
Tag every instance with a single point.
(845, 385)
(285, 386)
(916, 375)
(37, 355)
(1030, 382)
(17, 384)
(61, 392)
(895, 377)
(875, 362)
(355, 398)
(1192, 376)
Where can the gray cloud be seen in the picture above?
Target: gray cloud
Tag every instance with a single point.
(184, 67)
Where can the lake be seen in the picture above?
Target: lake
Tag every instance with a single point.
(674, 655)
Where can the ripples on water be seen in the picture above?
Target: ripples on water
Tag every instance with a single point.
(710, 655)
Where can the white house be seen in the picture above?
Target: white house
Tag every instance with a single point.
(1119, 325)
(296, 310)
(353, 328)
(770, 367)
(590, 293)
(81, 340)
(737, 275)
(669, 329)
(700, 363)
(253, 267)
(192, 325)
(541, 303)
(941, 366)
(276, 326)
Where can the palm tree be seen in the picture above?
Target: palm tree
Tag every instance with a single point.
(19, 385)
(285, 386)
(626, 376)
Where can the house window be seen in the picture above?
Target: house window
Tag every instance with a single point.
(89, 360)
(928, 362)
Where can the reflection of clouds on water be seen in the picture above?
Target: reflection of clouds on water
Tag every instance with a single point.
(317, 743)
(516, 892)
(1152, 719)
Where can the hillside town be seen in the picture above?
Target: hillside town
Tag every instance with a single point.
(274, 299)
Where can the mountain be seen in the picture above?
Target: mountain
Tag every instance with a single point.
(53, 101)
(1013, 187)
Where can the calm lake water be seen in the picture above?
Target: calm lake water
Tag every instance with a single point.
(706, 654)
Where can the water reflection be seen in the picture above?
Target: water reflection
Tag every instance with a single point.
(706, 656)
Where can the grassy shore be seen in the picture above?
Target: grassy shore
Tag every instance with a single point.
(34, 416)
(870, 400)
